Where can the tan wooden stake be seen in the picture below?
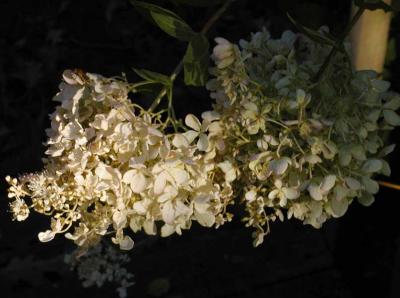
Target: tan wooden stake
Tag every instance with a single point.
(369, 38)
(389, 185)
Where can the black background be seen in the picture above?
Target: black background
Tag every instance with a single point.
(354, 256)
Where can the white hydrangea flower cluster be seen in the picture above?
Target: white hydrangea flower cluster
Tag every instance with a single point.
(102, 263)
(300, 148)
(110, 168)
(281, 142)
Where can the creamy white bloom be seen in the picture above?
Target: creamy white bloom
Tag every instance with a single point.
(111, 169)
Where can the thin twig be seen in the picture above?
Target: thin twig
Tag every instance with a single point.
(389, 185)
(334, 49)
(179, 67)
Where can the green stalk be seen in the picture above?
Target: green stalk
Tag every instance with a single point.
(334, 49)
(179, 67)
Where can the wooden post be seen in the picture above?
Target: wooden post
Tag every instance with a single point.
(369, 38)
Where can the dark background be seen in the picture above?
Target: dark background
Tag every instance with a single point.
(354, 256)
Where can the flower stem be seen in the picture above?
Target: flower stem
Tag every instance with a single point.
(389, 185)
(179, 67)
(335, 48)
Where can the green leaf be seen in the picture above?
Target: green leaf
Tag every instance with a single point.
(344, 156)
(339, 207)
(374, 4)
(199, 3)
(391, 117)
(358, 152)
(328, 182)
(380, 85)
(291, 193)
(370, 185)
(372, 166)
(387, 150)
(366, 199)
(315, 192)
(195, 61)
(167, 20)
(393, 104)
(385, 168)
(374, 115)
(153, 77)
(278, 166)
(352, 183)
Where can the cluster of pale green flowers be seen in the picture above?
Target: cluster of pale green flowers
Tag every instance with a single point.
(111, 168)
(301, 148)
(278, 141)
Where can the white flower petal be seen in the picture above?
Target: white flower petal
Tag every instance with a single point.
(273, 194)
(126, 243)
(140, 207)
(205, 219)
(137, 162)
(55, 150)
(258, 239)
(215, 128)
(251, 196)
(339, 207)
(340, 192)
(201, 203)
(182, 209)
(69, 77)
(169, 192)
(180, 176)
(315, 192)
(191, 135)
(102, 186)
(210, 116)
(278, 183)
(168, 213)
(103, 172)
(291, 193)
(167, 230)
(46, 236)
(154, 132)
(128, 176)
(119, 219)
(138, 183)
(278, 166)
(312, 159)
(202, 143)
(192, 122)
(352, 183)
(159, 183)
(180, 141)
(222, 51)
(328, 182)
(251, 108)
(221, 40)
(149, 227)
(228, 169)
